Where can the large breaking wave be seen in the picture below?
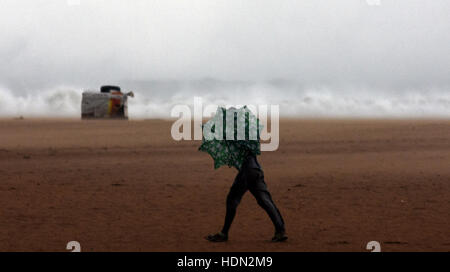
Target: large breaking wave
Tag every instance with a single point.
(157, 100)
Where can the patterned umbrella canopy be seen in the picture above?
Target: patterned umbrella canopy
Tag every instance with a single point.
(230, 136)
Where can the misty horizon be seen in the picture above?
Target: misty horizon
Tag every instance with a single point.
(370, 58)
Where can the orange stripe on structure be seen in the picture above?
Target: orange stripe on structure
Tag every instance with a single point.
(110, 104)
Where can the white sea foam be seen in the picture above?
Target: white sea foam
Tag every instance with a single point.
(55, 102)
(294, 101)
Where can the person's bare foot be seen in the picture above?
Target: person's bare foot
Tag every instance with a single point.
(218, 237)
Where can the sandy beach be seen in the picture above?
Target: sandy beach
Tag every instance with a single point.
(127, 186)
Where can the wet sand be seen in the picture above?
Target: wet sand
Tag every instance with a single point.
(127, 186)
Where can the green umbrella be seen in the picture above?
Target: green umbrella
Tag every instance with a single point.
(230, 136)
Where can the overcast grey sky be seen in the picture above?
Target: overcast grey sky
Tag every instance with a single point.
(398, 43)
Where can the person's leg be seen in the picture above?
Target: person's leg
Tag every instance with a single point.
(234, 197)
(259, 190)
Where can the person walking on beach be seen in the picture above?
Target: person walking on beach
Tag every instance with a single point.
(239, 152)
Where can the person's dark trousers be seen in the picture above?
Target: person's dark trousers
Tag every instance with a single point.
(251, 179)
